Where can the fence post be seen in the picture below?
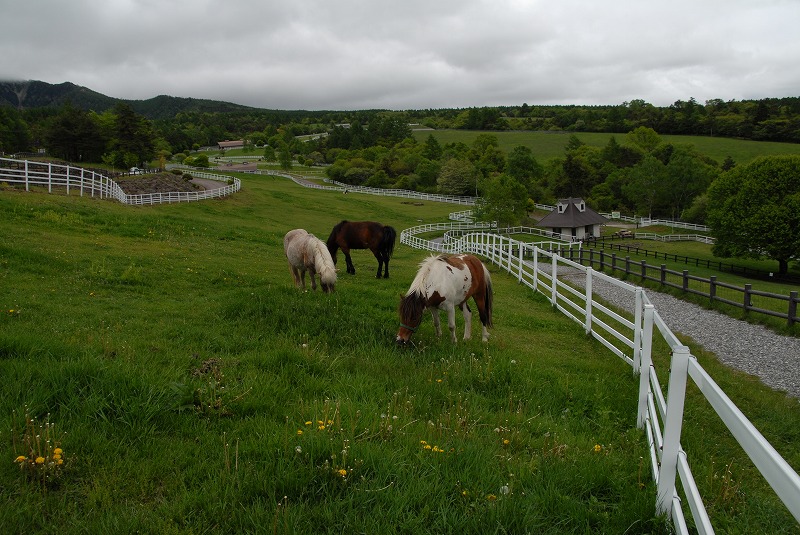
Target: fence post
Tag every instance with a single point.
(712, 288)
(792, 308)
(627, 265)
(535, 268)
(613, 262)
(644, 269)
(49, 177)
(663, 273)
(637, 330)
(685, 280)
(748, 297)
(554, 289)
(673, 422)
(645, 363)
(27, 186)
(588, 320)
(520, 259)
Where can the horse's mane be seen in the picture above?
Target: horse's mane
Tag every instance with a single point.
(323, 262)
(418, 284)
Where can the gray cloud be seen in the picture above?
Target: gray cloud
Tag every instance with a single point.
(319, 54)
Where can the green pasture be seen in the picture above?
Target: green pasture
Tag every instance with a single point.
(547, 145)
(193, 389)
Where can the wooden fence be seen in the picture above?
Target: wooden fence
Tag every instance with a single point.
(745, 297)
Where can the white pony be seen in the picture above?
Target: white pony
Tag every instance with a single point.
(445, 282)
(305, 251)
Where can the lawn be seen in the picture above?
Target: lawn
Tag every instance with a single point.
(192, 388)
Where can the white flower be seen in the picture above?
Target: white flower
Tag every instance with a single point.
(298, 449)
(504, 490)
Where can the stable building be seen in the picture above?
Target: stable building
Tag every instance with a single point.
(572, 220)
(226, 145)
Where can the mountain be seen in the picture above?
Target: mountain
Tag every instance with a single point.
(35, 94)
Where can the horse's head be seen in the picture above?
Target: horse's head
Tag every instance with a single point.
(328, 288)
(411, 308)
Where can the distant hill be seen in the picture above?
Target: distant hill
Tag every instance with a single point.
(35, 94)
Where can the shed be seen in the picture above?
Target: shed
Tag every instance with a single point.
(228, 144)
(572, 220)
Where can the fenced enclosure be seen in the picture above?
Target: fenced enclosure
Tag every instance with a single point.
(77, 180)
(632, 337)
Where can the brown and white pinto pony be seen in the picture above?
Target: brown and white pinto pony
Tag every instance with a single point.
(306, 252)
(376, 237)
(444, 282)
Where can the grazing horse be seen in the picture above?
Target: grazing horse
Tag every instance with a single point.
(305, 251)
(370, 235)
(444, 282)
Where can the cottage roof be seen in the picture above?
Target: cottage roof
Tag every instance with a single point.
(571, 213)
(229, 144)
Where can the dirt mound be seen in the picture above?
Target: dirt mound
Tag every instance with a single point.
(155, 183)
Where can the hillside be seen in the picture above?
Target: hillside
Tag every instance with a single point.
(35, 94)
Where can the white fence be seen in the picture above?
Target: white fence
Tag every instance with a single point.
(78, 180)
(631, 339)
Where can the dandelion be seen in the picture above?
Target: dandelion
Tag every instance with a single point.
(58, 451)
(342, 472)
(491, 497)
(597, 448)
(426, 446)
(40, 460)
(321, 427)
(308, 422)
(299, 431)
(422, 442)
(506, 442)
(437, 449)
(20, 459)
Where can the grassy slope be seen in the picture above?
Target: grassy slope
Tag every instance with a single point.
(123, 317)
(546, 145)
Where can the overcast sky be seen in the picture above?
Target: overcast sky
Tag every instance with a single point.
(408, 54)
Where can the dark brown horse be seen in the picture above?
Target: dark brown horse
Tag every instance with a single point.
(370, 235)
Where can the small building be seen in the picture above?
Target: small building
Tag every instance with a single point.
(572, 220)
(236, 144)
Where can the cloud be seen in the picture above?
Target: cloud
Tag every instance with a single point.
(415, 54)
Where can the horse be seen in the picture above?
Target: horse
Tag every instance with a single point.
(305, 251)
(444, 282)
(376, 237)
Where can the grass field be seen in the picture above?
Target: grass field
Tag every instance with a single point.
(547, 145)
(192, 389)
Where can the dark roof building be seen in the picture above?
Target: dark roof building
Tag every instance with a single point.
(573, 220)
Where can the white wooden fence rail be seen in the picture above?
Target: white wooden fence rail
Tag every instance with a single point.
(631, 338)
(76, 179)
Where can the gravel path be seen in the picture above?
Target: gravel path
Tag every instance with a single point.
(753, 349)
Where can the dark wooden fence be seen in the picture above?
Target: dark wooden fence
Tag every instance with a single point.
(609, 242)
(742, 297)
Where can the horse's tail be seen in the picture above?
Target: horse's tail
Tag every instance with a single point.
(389, 237)
(332, 244)
(488, 296)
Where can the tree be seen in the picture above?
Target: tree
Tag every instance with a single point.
(645, 184)
(754, 210)
(458, 177)
(504, 200)
(643, 137)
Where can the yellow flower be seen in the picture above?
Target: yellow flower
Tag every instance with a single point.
(597, 448)
(20, 459)
(427, 446)
(56, 457)
(40, 460)
(342, 472)
(506, 442)
(299, 431)
(437, 449)
(491, 497)
(60, 461)
(58, 451)
(308, 422)
(422, 442)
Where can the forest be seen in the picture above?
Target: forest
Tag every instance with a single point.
(637, 172)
